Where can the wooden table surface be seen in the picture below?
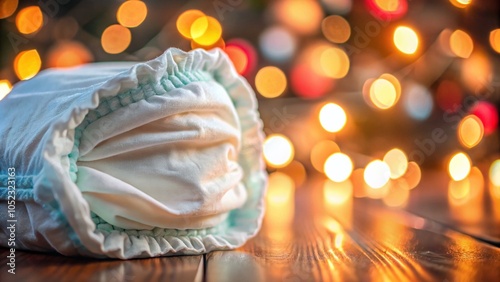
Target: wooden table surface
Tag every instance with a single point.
(308, 238)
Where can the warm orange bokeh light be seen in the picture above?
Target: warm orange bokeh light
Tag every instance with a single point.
(334, 63)
(321, 151)
(336, 193)
(29, 20)
(115, 39)
(338, 167)
(5, 87)
(336, 29)
(495, 40)
(470, 131)
(186, 20)
(278, 150)
(132, 13)
(68, 54)
(460, 3)
(332, 117)
(7, 8)
(270, 82)
(296, 171)
(238, 57)
(459, 166)
(27, 64)
(206, 30)
(397, 161)
(219, 44)
(461, 44)
(406, 39)
(303, 17)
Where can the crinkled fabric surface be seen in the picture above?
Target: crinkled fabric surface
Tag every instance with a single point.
(129, 160)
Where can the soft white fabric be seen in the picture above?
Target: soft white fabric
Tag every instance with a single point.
(135, 160)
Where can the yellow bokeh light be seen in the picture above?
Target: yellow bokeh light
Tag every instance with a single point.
(338, 167)
(461, 44)
(296, 171)
(388, 5)
(406, 39)
(66, 54)
(413, 175)
(278, 150)
(281, 189)
(459, 166)
(377, 174)
(460, 3)
(397, 162)
(336, 29)
(470, 131)
(206, 30)
(337, 192)
(131, 13)
(495, 173)
(29, 20)
(321, 151)
(27, 64)
(332, 117)
(115, 39)
(383, 94)
(5, 88)
(7, 8)
(458, 191)
(186, 20)
(302, 16)
(270, 82)
(334, 63)
(495, 40)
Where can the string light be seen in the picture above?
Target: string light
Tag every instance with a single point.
(332, 117)
(470, 131)
(377, 174)
(116, 39)
(278, 150)
(459, 166)
(270, 82)
(338, 167)
(206, 30)
(186, 20)
(27, 64)
(29, 20)
(406, 40)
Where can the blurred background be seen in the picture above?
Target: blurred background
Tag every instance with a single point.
(365, 94)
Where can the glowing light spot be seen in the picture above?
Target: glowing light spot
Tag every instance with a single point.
(27, 64)
(458, 191)
(459, 166)
(413, 175)
(281, 189)
(337, 193)
(387, 5)
(495, 173)
(296, 171)
(115, 39)
(418, 102)
(495, 40)
(278, 150)
(219, 44)
(293, 14)
(338, 167)
(336, 29)
(377, 174)
(488, 115)
(131, 13)
(5, 88)
(321, 151)
(387, 9)
(460, 3)
(308, 84)
(29, 20)
(397, 196)
(339, 240)
(68, 54)
(461, 44)
(238, 57)
(332, 117)
(383, 94)
(250, 53)
(406, 39)
(206, 30)
(334, 63)
(277, 44)
(476, 72)
(270, 82)
(397, 162)
(186, 20)
(7, 8)
(470, 131)
(449, 96)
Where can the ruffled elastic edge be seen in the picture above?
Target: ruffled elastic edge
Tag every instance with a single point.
(55, 189)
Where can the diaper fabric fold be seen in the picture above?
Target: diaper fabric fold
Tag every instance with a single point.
(129, 160)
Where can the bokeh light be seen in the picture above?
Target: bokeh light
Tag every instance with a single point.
(458, 191)
(488, 114)
(459, 166)
(336, 193)
(336, 29)
(206, 30)
(460, 3)
(186, 20)
(413, 175)
(281, 189)
(470, 131)
(418, 102)
(377, 174)
(383, 94)
(307, 84)
(495, 40)
(406, 39)
(397, 161)
(397, 196)
(270, 82)
(238, 57)
(476, 72)
(29, 20)
(277, 44)
(278, 150)
(115, 39)
(321, 151)
(461, 44)
(27, 64)
(332, 117)
(334, 63)
(219, 44)
(303, 17)
(296, 171)
(5, 87)
(7, 8)
(494, 172)
(131, 13)
(449, 96)
(338, 167)
(250, 53)
(387, 9)
(68, 54)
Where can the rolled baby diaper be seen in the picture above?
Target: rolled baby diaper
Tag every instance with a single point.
(129, 160)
